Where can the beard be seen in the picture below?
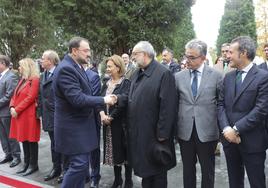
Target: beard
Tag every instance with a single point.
(82, 61)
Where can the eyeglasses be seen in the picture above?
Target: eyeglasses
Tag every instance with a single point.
(191, 58)
(136, 53)
(84, 50)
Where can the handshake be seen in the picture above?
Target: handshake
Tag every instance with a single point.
(110, 99)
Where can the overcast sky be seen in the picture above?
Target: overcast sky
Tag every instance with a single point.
(206, 18)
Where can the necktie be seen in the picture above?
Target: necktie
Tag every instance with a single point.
(225, 67)
(194, 83)
(238, 81)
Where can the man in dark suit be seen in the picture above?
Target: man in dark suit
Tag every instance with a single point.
(74, 120)
(197, 128)
(95, 176)
(8, 82)
(167, 61)
(242, 109)
(151, 118)
(49, 61)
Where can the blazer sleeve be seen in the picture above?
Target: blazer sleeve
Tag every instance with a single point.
(31, 97)
(70, 86)
(168, 111)
(10, 85)
(222, 117)
(96, 85)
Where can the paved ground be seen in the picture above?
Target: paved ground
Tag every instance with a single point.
(174, 175)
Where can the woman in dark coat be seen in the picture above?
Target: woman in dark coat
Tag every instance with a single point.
(114, 122)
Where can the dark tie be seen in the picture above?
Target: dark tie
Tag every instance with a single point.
(238, 81)
(194, 83)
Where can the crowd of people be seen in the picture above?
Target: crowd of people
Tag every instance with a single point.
(143, 108)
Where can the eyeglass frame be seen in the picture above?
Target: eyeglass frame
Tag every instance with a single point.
(191, 58)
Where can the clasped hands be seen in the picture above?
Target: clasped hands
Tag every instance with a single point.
(13, 112)
(110, 99)
(105, 119)
(231, 135)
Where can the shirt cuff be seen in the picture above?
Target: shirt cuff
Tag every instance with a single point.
(226, 129)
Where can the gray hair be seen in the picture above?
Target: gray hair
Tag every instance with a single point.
(52, 56)
(246, 43)
(146, 47)
(198, 45)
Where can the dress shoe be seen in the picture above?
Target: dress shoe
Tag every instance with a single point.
(15, 162)
(53, 173)
(30, 170)
(128, 184)
(94, 185)
(6, 159)
(60, 178)
(23, 169)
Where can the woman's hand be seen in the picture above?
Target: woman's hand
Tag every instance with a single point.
(13, 112)
(105, 120)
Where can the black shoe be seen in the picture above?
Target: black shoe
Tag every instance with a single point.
(6, 159)
(87, 179)
(94, 185)
(60, 178)
(15, 162)
(30, 170)
(23, 169)
(53, 174)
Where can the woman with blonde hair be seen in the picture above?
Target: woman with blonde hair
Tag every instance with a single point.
(25, 125)
(114, 122)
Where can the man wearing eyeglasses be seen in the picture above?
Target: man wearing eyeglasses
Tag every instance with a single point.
(151, 118)
(197, 129)
(242, 111)
(74, 120)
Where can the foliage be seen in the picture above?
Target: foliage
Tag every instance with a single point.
(262, 25)
(26, 28)
(115, 26)
(238, 19)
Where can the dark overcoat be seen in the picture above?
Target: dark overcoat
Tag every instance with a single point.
(151, 115)
(74, 121)
(118, 125)
(47, 102)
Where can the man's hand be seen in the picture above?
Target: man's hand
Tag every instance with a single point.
(13, 112)
(231, 135)
(110, 99)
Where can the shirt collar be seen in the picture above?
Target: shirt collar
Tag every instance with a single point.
(247, 68)
(52, 70)
(200, 69)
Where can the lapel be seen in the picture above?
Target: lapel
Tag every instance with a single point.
(81, 72)
(231, 86)
(22, 85)
(187, 82)
(5, 76)
(248, 79)
(204, 79)
(46, 81)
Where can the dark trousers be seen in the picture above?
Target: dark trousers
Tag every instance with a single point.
(77, 171)
(30, 150)
(192, 149)
(94, 159)
(253, 163)
(10, 146)
(156, 181)
(56, 157)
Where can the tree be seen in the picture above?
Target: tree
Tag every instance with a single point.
(26, 28)
(115, 26)
(262, 25)
(238, 19)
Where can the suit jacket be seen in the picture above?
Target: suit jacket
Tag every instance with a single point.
(246, 110)
(74, 121)
(95, 82)
(8, 84)
(130, 69)
(202, 109)
(47, 102)
(173, 67)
